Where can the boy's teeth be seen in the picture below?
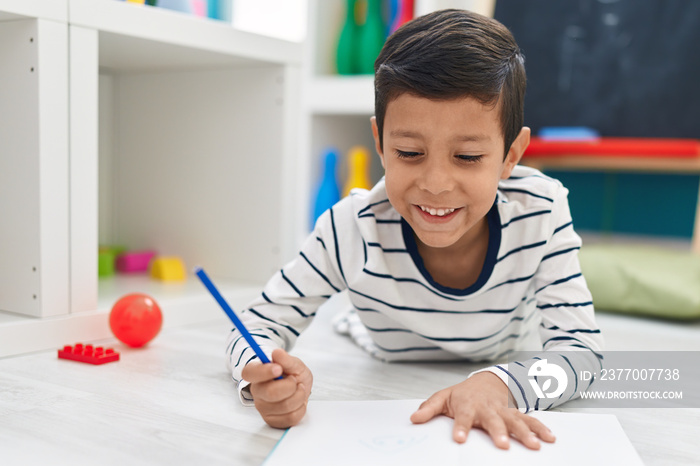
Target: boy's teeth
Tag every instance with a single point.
(437, 212)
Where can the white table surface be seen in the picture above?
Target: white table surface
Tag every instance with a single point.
(173, 403)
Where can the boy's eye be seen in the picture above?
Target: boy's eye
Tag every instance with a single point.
(405, 154)
(469, 158)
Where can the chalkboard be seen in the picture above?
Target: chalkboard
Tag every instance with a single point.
(627, 68)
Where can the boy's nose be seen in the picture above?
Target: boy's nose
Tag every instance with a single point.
(437, 177)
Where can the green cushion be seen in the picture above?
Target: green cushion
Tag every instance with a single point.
(643, 280)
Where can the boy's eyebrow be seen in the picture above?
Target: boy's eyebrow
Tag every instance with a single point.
(403, 133)
(473, 138)
(400, 133)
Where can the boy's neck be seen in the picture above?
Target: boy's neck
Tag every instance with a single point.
(457, 266)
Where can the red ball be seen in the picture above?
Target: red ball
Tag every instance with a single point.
(135, 319)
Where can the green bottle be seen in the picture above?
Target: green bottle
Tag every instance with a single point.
(346, 52)
(370, 37)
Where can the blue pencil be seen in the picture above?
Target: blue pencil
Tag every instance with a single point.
(231, 315)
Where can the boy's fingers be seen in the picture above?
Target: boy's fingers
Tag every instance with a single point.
(274, 391)
(429, 409)
(521, 431)
(256, 372)
(283, 421)
(290, 364)
(496, 427)
(463, 424)
(540, 429)
(285, 406)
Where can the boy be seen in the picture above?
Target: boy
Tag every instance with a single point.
(456, 254)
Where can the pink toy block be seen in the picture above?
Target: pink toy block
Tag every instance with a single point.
(135, 261)
(88, 354)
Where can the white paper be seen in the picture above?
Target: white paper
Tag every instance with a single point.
(380, 433)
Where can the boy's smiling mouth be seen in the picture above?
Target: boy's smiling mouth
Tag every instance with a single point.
(438, 212)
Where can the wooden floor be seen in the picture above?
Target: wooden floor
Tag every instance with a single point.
(173, 403)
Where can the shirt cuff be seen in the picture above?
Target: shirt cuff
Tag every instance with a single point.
(244, 393)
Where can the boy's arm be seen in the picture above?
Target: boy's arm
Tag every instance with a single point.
(288, 303)
(570, 336)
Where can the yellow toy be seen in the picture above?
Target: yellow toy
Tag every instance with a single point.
(168, 269)
(358, 170)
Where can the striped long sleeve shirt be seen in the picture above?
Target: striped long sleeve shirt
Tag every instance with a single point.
(530, 285)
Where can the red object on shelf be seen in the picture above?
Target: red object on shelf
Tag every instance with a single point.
(631, 147)
(88, 354)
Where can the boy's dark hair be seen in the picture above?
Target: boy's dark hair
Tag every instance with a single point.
(451, 54)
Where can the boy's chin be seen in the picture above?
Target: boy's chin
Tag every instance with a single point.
(436, 241)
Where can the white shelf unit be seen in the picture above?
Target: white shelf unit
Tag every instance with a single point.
(55, 10)
(152, 129)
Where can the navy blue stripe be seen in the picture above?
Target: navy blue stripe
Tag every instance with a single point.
(558, 229)
(563, 251)
(364, 249)
(542, 177)
(521, 217)
(445, 339)
(565, 338)
(286, 279)
(322, 243)
(522, 248)
(234, 343)
(367, 309)
(252, 358)
(590, 383)
(377, 245)
(513, 280)
(379, 220)
(321, 274)
(367, 207)
(575, 375)
(299, 311)
(520, 387)
(337, 249)
(480, 350)
(409, 349)
(408, 280)
(560, 281)
(264, 336)
(241, 355)
(573, 330)
(436, 311)
(549, 306)
(524, 191)
(291, 329)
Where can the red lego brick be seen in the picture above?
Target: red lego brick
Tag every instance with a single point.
(88, 354)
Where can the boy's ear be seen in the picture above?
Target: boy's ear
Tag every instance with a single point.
(377, 145)
(515, 153)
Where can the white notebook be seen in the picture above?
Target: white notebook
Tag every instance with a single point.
(380, 433)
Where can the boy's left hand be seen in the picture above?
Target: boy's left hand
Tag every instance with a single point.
(482, 401)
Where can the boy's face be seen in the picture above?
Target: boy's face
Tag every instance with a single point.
(443, 161)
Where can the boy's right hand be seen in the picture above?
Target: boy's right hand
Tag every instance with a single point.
(282, 403)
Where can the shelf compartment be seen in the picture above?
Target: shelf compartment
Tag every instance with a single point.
(137, 37)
